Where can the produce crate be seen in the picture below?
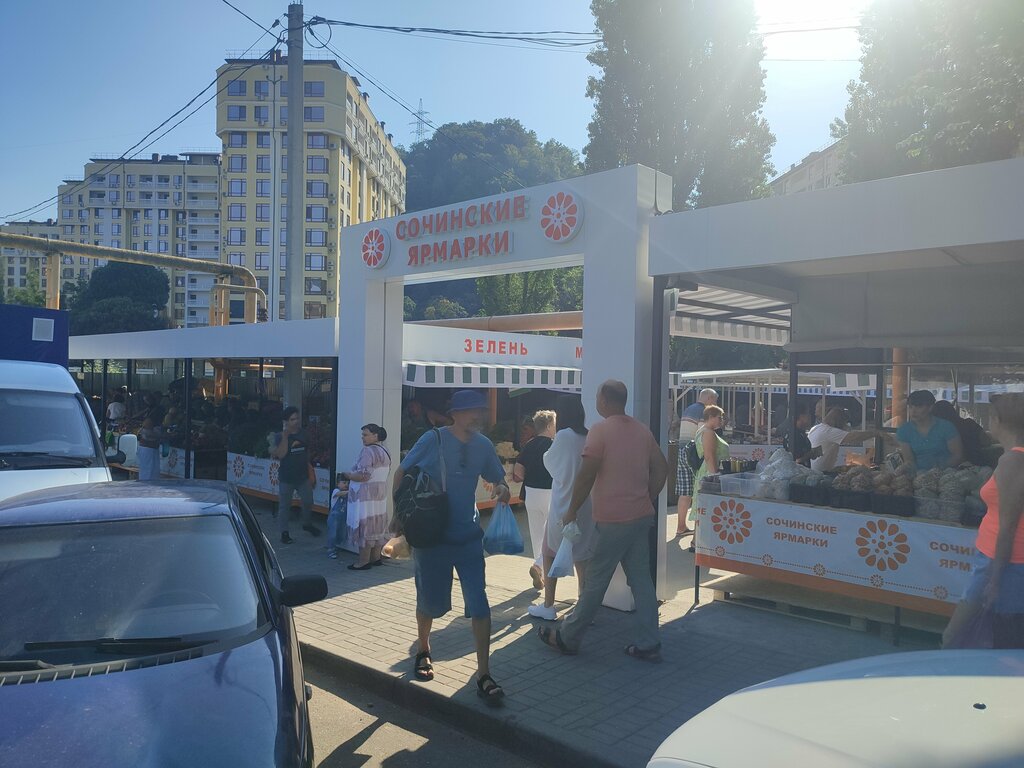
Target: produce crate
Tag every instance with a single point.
(938, 509)
(859, 501)
(885, 504)
(741, 484)
(809, 494)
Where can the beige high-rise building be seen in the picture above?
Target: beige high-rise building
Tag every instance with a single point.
(353, 173)
(165, 204)
(819, 170)
(16, 264)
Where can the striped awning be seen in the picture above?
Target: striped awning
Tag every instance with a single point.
(440, 374)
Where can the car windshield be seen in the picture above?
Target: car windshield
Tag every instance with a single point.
(180, 579)
(44, 423)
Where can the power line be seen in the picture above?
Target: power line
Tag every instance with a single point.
(276, 23)
(506, 172)
(136, 147)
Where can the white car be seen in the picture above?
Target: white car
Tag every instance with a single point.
(48, 436)
(929, 709)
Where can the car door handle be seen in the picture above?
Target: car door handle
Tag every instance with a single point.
(309, 691)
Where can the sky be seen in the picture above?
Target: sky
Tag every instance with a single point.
(92, 78)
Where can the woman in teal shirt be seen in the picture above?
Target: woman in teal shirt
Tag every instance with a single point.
(928, 442)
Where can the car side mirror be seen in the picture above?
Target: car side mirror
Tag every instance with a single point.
(114, 456)
(300, 590)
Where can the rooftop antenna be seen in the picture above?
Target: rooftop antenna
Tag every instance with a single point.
(420, 123)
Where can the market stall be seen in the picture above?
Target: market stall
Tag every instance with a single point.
(929, 265)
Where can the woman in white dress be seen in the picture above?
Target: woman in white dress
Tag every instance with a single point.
(563, 460)
(368, 499)
(531, 472)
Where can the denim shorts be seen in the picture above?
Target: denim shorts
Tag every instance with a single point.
(1011, 590)
(434, 567)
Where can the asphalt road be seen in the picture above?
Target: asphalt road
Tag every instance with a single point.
(353, 728)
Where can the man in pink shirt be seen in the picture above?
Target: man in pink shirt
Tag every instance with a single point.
(623, 470)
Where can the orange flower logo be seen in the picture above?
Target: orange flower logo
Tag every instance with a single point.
(731, 521)
(274, 467)
(941, 593)
(376, 248)
(172, 459)
(757, 454)
(882, 545)
(561, 217)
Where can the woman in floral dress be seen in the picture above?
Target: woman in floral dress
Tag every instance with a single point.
(368, 499)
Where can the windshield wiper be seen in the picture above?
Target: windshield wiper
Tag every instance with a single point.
(19, 665)
(50, 458)
(120, 644)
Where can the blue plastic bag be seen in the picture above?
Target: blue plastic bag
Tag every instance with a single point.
(502, 536)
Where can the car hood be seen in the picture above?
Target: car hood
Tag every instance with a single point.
(940, 709)
(14, 482)
(228, 708)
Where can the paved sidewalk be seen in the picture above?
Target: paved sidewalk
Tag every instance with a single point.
(600, 708)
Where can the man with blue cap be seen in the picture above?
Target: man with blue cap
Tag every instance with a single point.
(468, 456)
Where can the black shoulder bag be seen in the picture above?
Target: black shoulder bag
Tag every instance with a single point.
(421, 511)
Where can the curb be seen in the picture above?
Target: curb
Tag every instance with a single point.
(506, 731)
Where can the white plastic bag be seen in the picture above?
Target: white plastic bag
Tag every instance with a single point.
(562, 564)
(572, 532)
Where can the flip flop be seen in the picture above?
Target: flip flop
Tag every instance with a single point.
(651, 655)
(548, 634)
(491, 694)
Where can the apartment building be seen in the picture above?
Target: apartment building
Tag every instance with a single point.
(353, 173)
(166, 204)
(17, 264)
(819, 170)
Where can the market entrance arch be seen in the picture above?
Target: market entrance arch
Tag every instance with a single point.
(600, 221)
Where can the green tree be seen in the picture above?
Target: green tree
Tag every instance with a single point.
(517, 293)
(681, 91)
(941, 84)
(687, 354)
(144, 284)
(442, 308)
(72, 291)
(116, 314)
(409, 308)
(466, 160)
(568, 289)
(31, 295)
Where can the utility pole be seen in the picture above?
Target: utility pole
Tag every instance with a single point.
(295, 271)
(420, 123)
(276, 148)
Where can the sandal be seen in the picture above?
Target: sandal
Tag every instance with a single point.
(424, 669)
(488, 689)
(548, 634)
(653, 655)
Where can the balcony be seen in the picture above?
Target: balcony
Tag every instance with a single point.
(211, 205)
(204, 237)
(200, 300)
(204, 220)
(201, 187)
(204, 253)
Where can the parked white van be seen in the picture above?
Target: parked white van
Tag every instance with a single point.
(48, 436)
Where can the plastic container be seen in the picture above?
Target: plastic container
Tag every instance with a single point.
(742, 484)
(809, 494)
(886, 504)
(859, 501)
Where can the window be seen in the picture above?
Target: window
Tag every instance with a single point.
(284, 213)
(147, 213)
(238, 259)
(262, 139)
(236, 163)
(115, 243)
(316, 262)
(136, 215)
(316, 140)
(236, 188)
(263, 236)
(179, 281)
(313, 88)
(68, 214)
(147, 245)
(316, 164)
(236, 139)
(313, 114)
(262, 187)
(83, 229)
(164, 214)
(236, 112)
(147, 230)
(129, 196)
(316, 213)
(262, 163)
(115, 213)
(236, 88)
(69, 229)
(263, 283)
(261, 114)
(316, 237)
(163, 230)
(261, 87)
(66, 200)
(283, 113)
(262, 212)
(262, 260)
(97, 229)
(115, 196)
(284, 163)
(316, 189)
(115, 229)
(236, 236)
(179, 297)
(314, 309)
(135, 231)
(236, 212)
(179, 232)
(162, 246)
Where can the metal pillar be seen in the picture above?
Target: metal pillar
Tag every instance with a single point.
(103, 404)
(188, 417)
(295, 271)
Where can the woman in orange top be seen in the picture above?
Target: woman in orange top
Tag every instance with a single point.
(997, 582)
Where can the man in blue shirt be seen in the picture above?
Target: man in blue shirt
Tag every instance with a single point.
(468, 456)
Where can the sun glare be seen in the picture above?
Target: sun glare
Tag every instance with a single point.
(810, 29)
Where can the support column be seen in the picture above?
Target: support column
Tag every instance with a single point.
(187, 393)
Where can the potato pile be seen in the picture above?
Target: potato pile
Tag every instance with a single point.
(898, 483)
